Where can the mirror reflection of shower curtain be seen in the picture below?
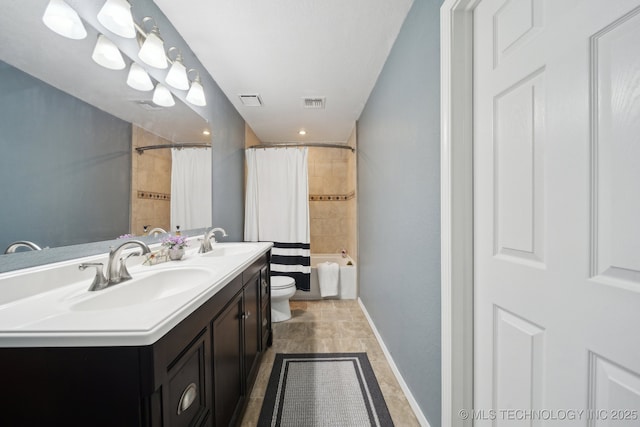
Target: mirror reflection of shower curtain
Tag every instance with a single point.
(277, 209)
(190, 188)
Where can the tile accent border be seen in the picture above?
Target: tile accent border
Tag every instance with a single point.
(155, 196)
(331, 197)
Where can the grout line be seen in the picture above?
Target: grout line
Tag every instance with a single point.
(403, 385)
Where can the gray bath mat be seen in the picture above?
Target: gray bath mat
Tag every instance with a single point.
(323, 389)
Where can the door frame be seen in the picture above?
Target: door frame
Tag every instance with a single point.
(456, 163)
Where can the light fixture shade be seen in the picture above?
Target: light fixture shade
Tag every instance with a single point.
(139, 79)
(162, 96)
(60, 18)
(177, 75)
(107, 54)
(115, 16)
(152, 51)
(196, 94)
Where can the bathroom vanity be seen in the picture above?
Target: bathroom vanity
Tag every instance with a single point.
(124, 364)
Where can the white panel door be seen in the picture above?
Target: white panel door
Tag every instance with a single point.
(557, 212)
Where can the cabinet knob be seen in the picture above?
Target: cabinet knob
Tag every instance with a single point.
(188, 397)
(265, 285)
(246, 315)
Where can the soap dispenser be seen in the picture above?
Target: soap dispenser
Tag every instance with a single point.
(178, 230)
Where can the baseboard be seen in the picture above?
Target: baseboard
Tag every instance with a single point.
(405, 388)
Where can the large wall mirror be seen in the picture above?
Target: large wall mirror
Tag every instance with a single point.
(68, 129)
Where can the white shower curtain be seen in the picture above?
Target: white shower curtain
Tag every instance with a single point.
(190, 188)
(277, 209)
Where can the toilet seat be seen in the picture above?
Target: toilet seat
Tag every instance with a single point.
(282, 282)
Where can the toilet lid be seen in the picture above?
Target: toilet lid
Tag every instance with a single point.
(279, 282)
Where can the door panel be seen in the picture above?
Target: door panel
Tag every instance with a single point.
(518, 364)
(518, 167)
(616, 153)
(556, 207)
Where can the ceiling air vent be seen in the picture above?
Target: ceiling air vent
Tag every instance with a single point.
(313, 103)
(147, 105)
(251, 100)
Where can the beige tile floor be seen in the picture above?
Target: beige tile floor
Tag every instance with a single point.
(329, 326)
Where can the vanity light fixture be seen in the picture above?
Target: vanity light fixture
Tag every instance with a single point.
(196, 93)
(152, 50)
(60, 18)
(162, 96)
(116, 17)
(107, 54)
(138, 78)
(177, 75)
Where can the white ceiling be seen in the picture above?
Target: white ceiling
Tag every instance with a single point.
(27, 44)
(285, 50)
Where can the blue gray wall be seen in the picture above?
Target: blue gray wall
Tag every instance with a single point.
(399, 205)
(66, 166)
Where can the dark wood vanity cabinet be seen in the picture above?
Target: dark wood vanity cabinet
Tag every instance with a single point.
(228, 362)
(238, 345)
(198, 374)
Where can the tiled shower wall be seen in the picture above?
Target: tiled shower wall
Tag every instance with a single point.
(150, 183)
(332, 205)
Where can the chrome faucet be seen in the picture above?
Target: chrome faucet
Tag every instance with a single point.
(211, 234)
(22, 244)
(116, 270)
(156, 231)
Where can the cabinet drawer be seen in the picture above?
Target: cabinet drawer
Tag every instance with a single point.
(187, 394)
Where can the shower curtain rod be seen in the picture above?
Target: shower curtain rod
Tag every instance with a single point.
(303, 144)
(141, 150)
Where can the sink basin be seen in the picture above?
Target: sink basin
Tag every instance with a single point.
(152, 287)
(220, 250)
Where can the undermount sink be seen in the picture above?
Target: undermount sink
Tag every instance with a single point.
(151, 287)
(230, 250)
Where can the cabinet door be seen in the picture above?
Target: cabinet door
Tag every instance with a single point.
(252, 328)
(227, 362)
(186, 388)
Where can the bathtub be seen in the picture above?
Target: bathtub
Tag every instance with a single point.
(348, 284)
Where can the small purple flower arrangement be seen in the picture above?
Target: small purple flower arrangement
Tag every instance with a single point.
(175, 242)
(126, 236)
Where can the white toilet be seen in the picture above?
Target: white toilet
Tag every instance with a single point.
(282, 288)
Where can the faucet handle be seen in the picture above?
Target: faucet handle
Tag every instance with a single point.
(99, 280)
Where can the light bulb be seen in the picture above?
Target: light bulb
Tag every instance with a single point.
(138, 78)
(107, 54)
(162, 96)
(196, 94)
(115, 16)
(177, 75)
(60, 18)
(152, 51)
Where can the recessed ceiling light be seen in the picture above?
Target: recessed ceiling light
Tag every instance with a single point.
(302, 132)
(206, 132)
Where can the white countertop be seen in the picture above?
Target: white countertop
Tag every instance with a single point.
(50, 306)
